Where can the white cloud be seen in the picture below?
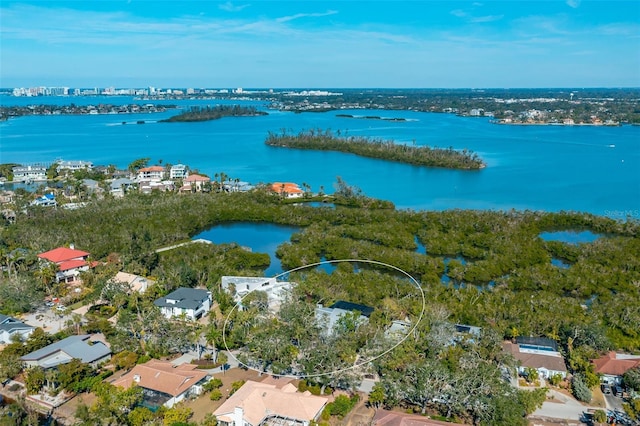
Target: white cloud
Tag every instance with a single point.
(488, 18)
(230, 7)
(306, 15)
(573, 3)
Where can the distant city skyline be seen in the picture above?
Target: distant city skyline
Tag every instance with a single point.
(320, 44)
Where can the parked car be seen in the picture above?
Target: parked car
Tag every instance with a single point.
(606, 389)
(617, 391)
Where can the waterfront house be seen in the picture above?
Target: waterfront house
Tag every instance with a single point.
(542, 356)
(287, 189)
(153, 173)
(239, 287)
(11, 328)
(329, 318)
(179, 171)
(192, 303)
(70, 263)
(72, 166)
(29, 173)
(89, 349)
(257, 403)
(164, 383)
(612, 366)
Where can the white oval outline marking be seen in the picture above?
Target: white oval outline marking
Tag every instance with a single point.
(360, 364)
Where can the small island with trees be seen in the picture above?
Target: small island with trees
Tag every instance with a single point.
(197, 113)
(377, 148)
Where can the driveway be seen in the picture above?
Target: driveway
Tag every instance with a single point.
(563, 407)
(48, 319)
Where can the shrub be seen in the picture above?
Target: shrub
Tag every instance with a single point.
(215, 395)
(580, 389)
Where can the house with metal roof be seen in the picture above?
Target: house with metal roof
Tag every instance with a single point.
(90, 349)
(192, 303)
(10, 327)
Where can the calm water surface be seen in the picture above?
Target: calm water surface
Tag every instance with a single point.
(551, 168)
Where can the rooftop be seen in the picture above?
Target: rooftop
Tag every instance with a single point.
(62, 254)
(162, 376)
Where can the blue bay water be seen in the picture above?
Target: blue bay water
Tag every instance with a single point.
(549, 168)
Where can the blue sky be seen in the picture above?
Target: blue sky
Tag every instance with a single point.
(320, 44)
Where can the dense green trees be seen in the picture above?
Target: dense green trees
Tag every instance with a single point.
(501, 276)
(213, 113)
(376, 148)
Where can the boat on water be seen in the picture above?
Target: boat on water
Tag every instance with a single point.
(611, 146)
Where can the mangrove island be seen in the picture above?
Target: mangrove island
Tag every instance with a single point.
(213, 113)
(378, 148)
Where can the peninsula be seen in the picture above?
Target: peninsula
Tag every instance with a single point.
(214, 113)
(378, 148)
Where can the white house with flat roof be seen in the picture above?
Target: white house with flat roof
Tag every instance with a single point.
(179, 171)
(29, 173)
(239, 287)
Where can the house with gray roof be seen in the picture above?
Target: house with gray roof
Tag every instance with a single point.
(90, 349)
(192, 303)
(10, 327)
(329, 318)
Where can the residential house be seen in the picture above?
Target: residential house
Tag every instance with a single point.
(29, 173)
(257, 403)
(179, 171)
(287, 189)
(164, 383)
(543, 357)
(328, 318)
(90, 349)
(46, 200)
(612, 366)
(398, 329)
(134, 282)
(193, 303)
(239, 287)
(148, 186)
(236, 186)
(72, 166)
(7, 197)
(11, 328)
(120, 186)
(71, 263)
(153, 173)
(194, 183)
(394, 418)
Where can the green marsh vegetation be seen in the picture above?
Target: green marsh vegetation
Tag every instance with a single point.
(325, 140)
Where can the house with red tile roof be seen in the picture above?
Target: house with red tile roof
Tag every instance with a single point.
(392, 418)
(259, 403)
(194, 182)
(70, 263)
(287, 189)
(612, 366)
(153, 173)
(164, 383)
